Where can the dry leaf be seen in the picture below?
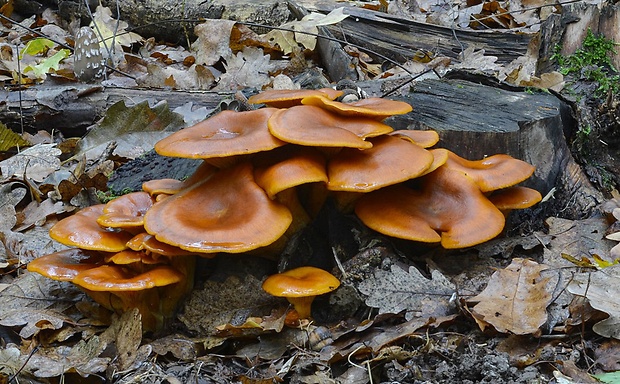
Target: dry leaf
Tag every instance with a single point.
(35, 213)
(398, 290)
(33, 320)
(602, 289)
(213, 41)
(36, 163)
(515, 300)
(110, 27)
(135, 129)
(9, 198)
(81, 358)
(248, 68)
(128, 337)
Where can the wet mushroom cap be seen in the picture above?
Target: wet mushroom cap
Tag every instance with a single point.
(126, 211)
(449, 208)
(493, 172)
(81, 230)
(115, 278)
(375, 108)
(515, 198)
(312, 126)
(299, 165)
(226, 134)
(286, 98)
(228, 212)
(301, 282)
(144, 241)
(66, 264)
(424, 139)
(391, 160)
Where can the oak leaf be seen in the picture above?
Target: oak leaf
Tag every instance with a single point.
(515, 299)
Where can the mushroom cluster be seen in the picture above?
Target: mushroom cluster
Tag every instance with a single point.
(117, 263)
(267, 172)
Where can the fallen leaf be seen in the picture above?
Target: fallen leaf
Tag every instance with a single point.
(10, 139)
(33, 320)
(213, 41)
(397, 290)
(575, 238)
(602, 289)
(248, 68)
(515, 299)
(81, 358)
(607, 355)
(35, 213)
(11, 194)
(36, 162)
(111, 30)
(135, 130)
(128, 338)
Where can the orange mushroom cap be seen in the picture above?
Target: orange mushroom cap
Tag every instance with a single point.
(228, 212)
(515, 198)
(290, 167)
(391, 160)
(66, 264)
(226, 134)
(493, 172)
(424, 139)
(130, 256)
(126, 211)
(312, 126)
(300, 286)
(375, 108)
(286, 98)
(115, 278)
(144, 241)
(449, 208)
(81, 230)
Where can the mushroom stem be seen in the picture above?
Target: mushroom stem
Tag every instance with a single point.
(302, 305)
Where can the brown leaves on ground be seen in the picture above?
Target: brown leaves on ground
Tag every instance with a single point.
(515, 300)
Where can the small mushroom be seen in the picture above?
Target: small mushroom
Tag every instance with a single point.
(424, 139)
(300, 286)
(81, 230)
(517, 197)
(313, 126)
(126, 211)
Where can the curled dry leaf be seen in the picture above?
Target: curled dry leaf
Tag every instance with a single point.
(515, 300)
(602, 289)
(398, 290)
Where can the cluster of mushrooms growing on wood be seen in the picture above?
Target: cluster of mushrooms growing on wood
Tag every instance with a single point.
(266, 173)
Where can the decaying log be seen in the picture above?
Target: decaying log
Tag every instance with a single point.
(70, 109)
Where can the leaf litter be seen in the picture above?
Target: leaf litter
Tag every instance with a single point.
(403, 304)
